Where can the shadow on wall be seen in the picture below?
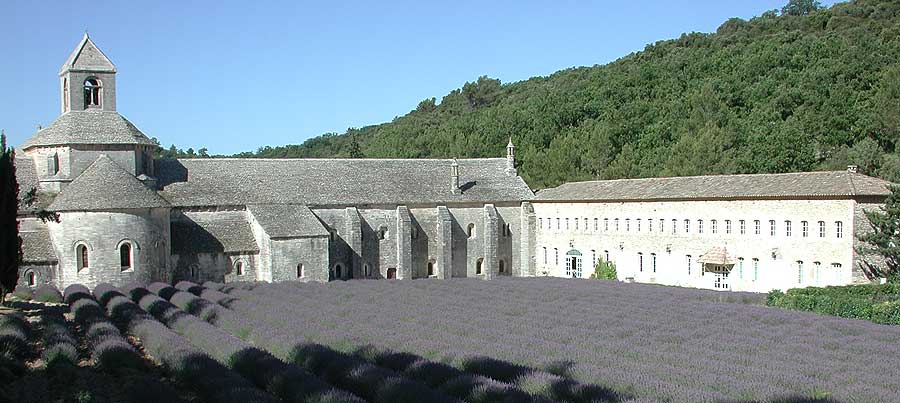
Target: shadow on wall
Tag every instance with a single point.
(169, 171)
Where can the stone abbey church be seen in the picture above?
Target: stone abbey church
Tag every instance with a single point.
(125, 217)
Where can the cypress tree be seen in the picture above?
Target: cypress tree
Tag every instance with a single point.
(10, 243)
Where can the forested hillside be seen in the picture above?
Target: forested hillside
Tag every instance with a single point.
(791, 90)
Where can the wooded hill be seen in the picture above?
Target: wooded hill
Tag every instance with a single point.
(789, 90)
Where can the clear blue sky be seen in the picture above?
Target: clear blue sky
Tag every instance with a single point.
(232, 76)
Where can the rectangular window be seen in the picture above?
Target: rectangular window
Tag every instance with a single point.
(699, 226)
(640, 262)
(772, 227)
(638, 227)
(557, 224)
(576, 223)
(743, 227)
(555, 256)
(836, 268)
(821, 229)
(817, 268)
(596, 224)
(653, 261)
(740, 268)
(541, 221)
(617, 224)
(727, 226)
(687, 226)
(586, 224)
(606, 224)
(712, 226)
(799, 272)
(787, 228)
(661, 225)
(689, 264)
(838, 229)
(649, 225)
(545, 255)
(674, 226)
(567, 223)
(594, 257)
(755, 269)
(805, 228)
(627, 224)
(606, 255)
(756, 224)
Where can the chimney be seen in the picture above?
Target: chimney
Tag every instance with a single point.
(511, 158)
(853, 168)
(454, 177)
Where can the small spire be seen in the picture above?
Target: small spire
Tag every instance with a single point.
(510, 144)
(454, 177)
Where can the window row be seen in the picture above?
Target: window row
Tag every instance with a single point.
(126, 256)
(651, 225)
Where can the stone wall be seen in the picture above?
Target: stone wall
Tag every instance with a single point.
(311, 252)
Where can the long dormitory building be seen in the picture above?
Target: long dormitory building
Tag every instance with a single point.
(729, 232)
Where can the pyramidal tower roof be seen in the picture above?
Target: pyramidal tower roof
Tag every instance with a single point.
(105, 186)
(87, 57)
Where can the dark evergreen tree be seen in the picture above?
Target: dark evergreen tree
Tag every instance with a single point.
(883, 239)
(10, 243)
(800, 7)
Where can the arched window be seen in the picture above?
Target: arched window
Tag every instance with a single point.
(470, 230)
(501, 266)
(382, 233)
(430, 268)
(125, 256)
(299, 270)
(338, 271)
(31, 277)
(367, 270)
(239, 268)
(81, 253)
(478, 265)
(65, 86)
(92, 92)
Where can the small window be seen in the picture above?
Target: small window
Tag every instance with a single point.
(757, 227)
(596, 224)
(799, 272)
(239, 268)
(687, 226)
(338, 271)
(81, 252)
(740, 267)
(65, 95)
(430, 268)
(501, 266)
(649, 225)
(299, 270)
(674, 226)
(617, 224)
(470, 231)
(743, 227)
(92, 92)
(557, 224)
(821, 229)
(688, 257)
(606, 255)
(541, 223)
(576, 223)
(507, 230)
(627, 224)
(817, 271)
(606, 224)
(640, 262)
(392, 273)
(53, 164)
(653, 261)
(771, 227)
(661, 225)
(839, 229)
(125, 256)
(31, 278)
(637, 225)
(755, 269)
(555, 256)
(567, 223)
(713, 226)
(382, 233)
(699, 226)
(367, 270)
(727, 226)
(478, 265)
(787, 228)
(593, 257)
(804, 225)
(545, 255)
(838, 276)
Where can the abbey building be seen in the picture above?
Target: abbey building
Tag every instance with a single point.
(125, 217)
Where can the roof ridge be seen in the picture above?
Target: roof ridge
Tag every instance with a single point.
(700, 176)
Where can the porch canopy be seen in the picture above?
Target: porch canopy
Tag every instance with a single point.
(716, 256)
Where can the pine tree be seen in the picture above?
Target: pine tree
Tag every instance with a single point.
(10, 243)
(883, 239)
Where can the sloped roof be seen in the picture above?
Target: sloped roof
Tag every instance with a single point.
(92, 126)
(826, 184)
(212, 232)
(26, 175)
(103, 186)
(245, 181)
(36, 244)
(716, 255)
(87, 56)
(287, 220)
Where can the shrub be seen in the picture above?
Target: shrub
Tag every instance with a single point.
(60, 347)
(23, 292)
(887, 313)
(605, 270)
(875, 302)
(47, 293)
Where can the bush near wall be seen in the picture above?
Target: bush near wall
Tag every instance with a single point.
(879, 303)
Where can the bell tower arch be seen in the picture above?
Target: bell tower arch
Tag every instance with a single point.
(87, 79)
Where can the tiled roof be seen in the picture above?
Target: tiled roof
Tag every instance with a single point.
(87, 56)
(287, 221)
(27, 177)
(36, 244)
(716, 255)
(826, 184)
(212, 232)
(245, 181)
(104, 186)
(92, 126)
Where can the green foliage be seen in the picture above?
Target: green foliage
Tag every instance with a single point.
(806, 90)
(605, 270)
(10, 243)
(882, 239)
(879, 303)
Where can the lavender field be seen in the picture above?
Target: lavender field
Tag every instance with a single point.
(507, 340)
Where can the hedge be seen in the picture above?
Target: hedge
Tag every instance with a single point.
(879, 303)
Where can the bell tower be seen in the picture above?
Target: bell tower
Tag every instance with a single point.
(87, 79)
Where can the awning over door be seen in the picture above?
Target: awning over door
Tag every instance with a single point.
(717, 255)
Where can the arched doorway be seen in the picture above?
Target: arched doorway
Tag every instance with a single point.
(338, 271)
(573, 264)
(391, 273)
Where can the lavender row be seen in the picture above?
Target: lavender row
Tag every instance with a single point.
(59, 344)
(285, 381)
(648, 339)
(534, 385)
(109, 350)
(349, 372)
(14, 344)
(211, 380)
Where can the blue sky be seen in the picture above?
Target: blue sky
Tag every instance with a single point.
(233, 77)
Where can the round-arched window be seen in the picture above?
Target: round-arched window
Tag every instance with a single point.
(31, 278)
(239, 268)
(478, 265)
(81, 254)
(470, 231)
(92, 92)
(299, 270)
